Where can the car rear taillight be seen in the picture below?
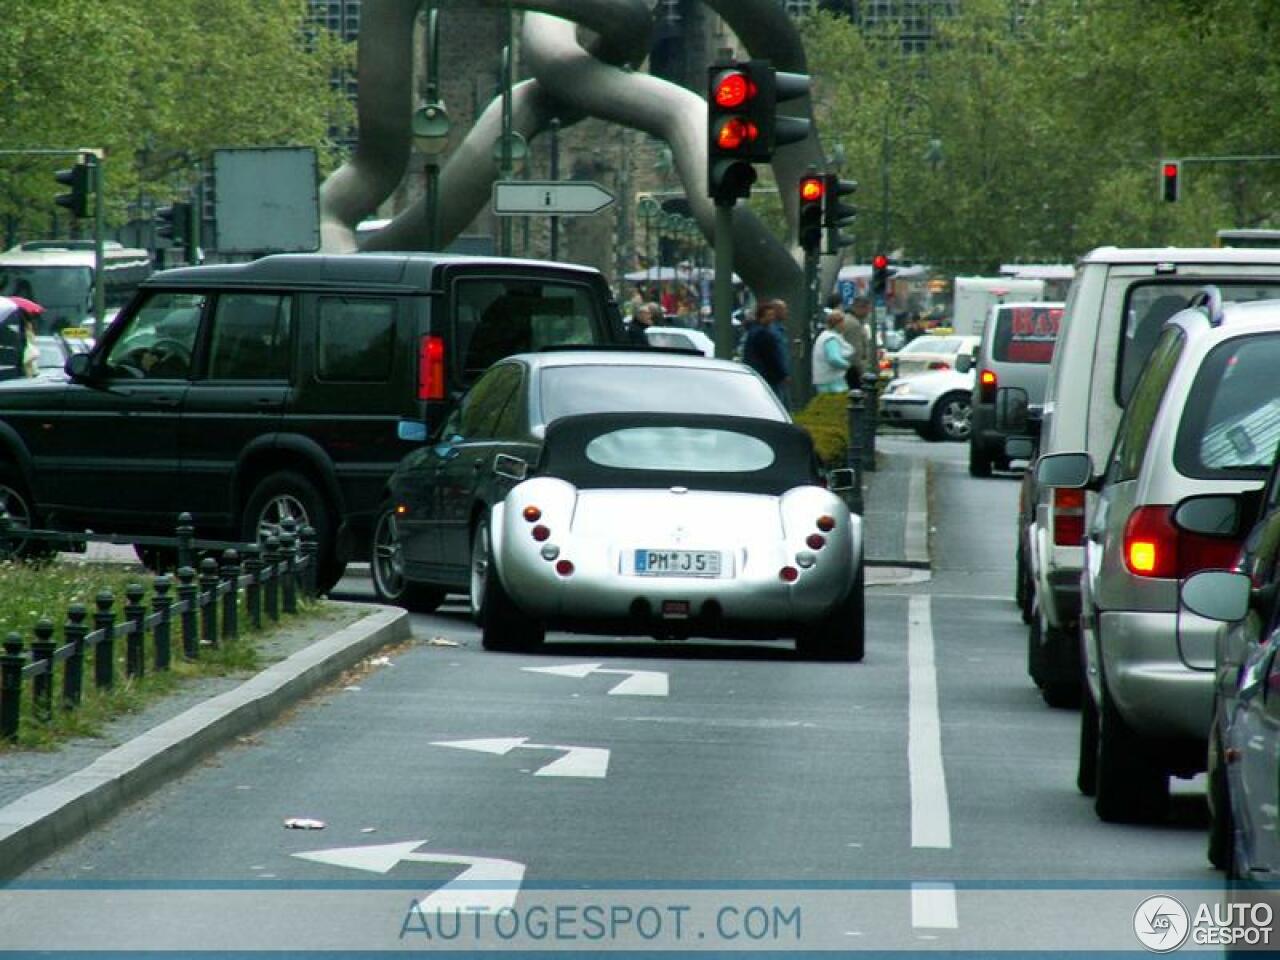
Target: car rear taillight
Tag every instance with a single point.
(1068, 517)
(532, 514)
(1154, 547)
(431, 368)
(826, 523)
(988, 383)
(541, 533)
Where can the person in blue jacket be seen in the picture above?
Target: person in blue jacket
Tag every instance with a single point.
(765, 349)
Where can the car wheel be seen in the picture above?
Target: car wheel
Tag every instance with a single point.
(1035, 651)
(503, 626)
(842, 635)
(1022, 588)
(290, 495)
(16, 503)
(952, 417)
(1131, 788)
(386, 566)
(926, 432)
(979, 462)
(1087, 770)
(1222, 845)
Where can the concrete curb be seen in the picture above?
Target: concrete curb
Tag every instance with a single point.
(35, 825)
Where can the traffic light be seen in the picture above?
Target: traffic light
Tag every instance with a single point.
(836, 215)
(80, 181)
(813, 190)
(881, 271)
(743, 126)
(1170, 174)
(173, 223)
(732, 132)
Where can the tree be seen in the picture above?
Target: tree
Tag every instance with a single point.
(157, 85)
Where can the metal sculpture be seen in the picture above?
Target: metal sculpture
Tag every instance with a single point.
(570, 80)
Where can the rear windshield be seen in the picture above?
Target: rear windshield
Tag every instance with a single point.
(680, 448)
(1231, 420)
(610, 388)
(1025, 334)
(933, 344)
(1147, 307)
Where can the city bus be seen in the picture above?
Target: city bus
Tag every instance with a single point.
(58, 275)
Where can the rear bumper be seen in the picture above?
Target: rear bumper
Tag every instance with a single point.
(1158, 695)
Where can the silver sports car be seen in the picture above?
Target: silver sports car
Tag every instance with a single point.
(668, 523)
(675, 525)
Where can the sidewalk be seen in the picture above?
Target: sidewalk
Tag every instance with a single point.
(48, 799)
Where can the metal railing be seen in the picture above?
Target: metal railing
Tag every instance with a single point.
(204, 606)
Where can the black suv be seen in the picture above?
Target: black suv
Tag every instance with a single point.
(289, 386)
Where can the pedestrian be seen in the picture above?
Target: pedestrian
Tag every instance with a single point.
(913, 329)
(832, 356)
(645, 316)
(765, 349)
(856, 331)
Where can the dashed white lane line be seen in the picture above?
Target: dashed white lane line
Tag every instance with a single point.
(933, 906)
(930, 811)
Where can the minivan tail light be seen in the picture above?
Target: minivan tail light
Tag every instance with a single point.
(1068, 517)
(431, 368)
(1154, 547)
(988, 383)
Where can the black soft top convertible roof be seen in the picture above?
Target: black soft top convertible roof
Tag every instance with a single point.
(564, 454)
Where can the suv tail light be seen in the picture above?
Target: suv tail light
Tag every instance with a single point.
(431, 368)
(1068, 517)
(1154, 547)
(988, 383)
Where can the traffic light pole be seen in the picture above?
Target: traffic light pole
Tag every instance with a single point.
(99, 228)
(723, 294)
(804, 376)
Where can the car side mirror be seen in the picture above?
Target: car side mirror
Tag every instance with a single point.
(510, 468)
(840, 480)
(1221, 595)
(1069, 470)
(964, 362)
(1212, 515)
(78, 367)
(1011, 409)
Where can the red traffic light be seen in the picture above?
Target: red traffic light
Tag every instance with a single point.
(812, 189)
(879, 261)
(1170, 170)
(735, 133)
(733, 90)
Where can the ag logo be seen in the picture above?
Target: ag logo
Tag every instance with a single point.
(1161, 924)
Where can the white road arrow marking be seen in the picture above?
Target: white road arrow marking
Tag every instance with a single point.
(639, 683)
(589, 762)
(487, 885)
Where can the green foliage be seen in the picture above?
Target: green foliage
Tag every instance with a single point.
(825, 418)
(1052, 124)
(158, 86)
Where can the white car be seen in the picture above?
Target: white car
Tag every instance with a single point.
(681, 338)
(937, 404)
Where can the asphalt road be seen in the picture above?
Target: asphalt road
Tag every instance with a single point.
(934, 761)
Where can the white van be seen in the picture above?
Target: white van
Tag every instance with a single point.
(975, 296)
(58, 275)
(1115, 309)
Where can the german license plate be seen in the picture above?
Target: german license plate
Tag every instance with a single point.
(677, 563)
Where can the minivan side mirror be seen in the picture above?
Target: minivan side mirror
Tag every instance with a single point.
(1221, 595)
(1212, 515)
(1069, 470)
(964, 362)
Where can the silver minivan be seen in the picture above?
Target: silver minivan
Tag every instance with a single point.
(1118, 303)
(1013, 354)
(1203, 418)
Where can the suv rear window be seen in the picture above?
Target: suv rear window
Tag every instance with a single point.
(1231, 421)
(1148, 305)
(1025, 334)
(500, 317)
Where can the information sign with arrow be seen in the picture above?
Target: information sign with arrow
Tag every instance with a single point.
(560, 198)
